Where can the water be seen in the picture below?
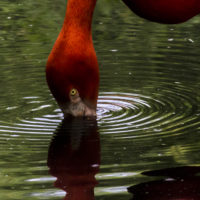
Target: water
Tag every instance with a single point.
(148, 108)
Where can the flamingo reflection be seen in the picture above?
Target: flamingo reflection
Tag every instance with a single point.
(74, 158)
(181, 183)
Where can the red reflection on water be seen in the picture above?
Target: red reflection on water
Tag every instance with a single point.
(74, 158)
(179, 183)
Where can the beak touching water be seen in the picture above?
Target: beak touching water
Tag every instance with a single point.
(77, 107)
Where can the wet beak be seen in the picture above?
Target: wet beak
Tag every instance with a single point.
(78, 108)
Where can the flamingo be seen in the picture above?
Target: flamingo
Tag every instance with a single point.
(72, 70)
(165, 11)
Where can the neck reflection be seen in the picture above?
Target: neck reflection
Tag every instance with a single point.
(74, 157)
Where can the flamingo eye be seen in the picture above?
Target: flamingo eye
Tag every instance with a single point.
(73, 92)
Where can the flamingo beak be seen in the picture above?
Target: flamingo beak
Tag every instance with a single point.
(77, 107)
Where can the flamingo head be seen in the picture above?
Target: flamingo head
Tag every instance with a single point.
(74, 87)
(78, 106)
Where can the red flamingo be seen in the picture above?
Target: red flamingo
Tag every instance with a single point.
(72, 69)
(165, 11)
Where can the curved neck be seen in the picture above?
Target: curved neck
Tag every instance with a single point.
(79, 15)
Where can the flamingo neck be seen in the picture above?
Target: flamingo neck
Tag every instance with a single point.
(78, 16)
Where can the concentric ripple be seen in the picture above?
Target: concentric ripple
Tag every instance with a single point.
(162, 113)
(131, 114)
(169, 111)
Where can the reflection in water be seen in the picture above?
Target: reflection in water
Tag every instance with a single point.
(181, 183)
(74, 157)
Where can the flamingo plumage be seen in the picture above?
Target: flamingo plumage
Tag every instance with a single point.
(72, 70)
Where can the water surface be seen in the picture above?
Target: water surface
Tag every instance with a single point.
(148, 107)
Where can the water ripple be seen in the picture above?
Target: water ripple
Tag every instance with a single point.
(161, 113)
(167, 111)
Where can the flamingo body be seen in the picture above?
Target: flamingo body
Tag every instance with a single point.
(72, 64)
(165, 11)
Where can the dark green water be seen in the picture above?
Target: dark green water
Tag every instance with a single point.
(148, 108)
